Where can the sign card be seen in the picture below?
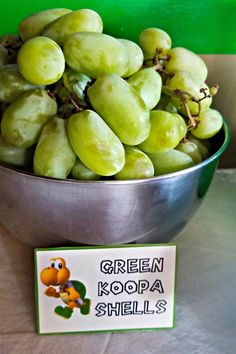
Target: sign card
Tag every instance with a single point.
(93, 289)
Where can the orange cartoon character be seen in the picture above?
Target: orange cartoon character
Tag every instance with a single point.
(72, 292)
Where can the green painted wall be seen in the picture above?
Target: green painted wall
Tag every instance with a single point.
(204, 26)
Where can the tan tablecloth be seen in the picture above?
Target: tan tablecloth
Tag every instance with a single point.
(206, 292)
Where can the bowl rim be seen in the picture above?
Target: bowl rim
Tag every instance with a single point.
(198, 166)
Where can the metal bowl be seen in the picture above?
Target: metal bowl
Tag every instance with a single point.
(43, 211)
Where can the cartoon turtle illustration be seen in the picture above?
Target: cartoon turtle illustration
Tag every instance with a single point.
(72, 292)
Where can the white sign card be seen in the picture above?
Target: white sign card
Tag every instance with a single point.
(92, 289)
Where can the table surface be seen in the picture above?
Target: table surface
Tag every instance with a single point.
(206, 291)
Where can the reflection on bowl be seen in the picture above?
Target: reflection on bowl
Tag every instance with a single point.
(42, 211)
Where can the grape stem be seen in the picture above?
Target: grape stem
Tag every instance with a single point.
(184, 140)
(12, 44)
(182, 95)
(156, 63)
(193, 121)
(52, 94)
(73, 101)
(211, 92)
(157, 57)
(64, 103)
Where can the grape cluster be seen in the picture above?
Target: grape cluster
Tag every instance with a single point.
(77, 102)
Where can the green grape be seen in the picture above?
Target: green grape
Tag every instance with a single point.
(186, 82)
(53, 155)
(41, 61)
(203, 146)
(170, 107)
(95, 143)
(148, 83)
(33, 25)
(23, 120)
(12, 83)
(192, 150)
(95, 54)
(119, 104)
(76, 84)
(135, 57)
(3, 56)
(182, 125)
(165, 133)
(152, 39)
(14, 155)
(81, 172)
(137, 165)
(84, 20)
(182, 59)
(170, 161)
(210, 123)
(165, 104)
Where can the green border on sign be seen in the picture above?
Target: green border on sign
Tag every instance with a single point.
(100, 247)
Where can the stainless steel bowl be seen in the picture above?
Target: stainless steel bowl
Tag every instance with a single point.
(43, 211)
